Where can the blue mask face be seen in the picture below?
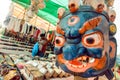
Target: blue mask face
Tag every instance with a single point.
(84, 43)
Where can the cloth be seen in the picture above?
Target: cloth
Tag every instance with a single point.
(36, 51)
(32, 31)
(11, 24)
(24, 28)
(37, 32)
(17, 25)
(7, 20)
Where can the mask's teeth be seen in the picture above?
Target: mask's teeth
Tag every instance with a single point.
(79, 59)
(91, 60)
(74, 66)
(85, 65)
(80, 66)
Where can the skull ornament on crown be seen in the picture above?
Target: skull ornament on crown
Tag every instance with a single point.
(84, 44)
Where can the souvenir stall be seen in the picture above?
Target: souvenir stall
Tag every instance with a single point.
(20, 26)
(81, 40)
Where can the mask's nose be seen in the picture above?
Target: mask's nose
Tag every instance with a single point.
(71, 52)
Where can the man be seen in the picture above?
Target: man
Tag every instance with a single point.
(40, 46)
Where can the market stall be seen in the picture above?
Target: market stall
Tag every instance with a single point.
(81, 37)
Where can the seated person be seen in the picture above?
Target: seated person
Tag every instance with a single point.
(40, 47)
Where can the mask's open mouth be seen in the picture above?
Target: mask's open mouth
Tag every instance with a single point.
(83, 63)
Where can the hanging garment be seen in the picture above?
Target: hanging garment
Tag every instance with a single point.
(28, 27)
(20, 28)
(21, 25)
(37, 32)
(24, 28)
(7, 20)
(17, 25)
(11, 24)
(32, 31)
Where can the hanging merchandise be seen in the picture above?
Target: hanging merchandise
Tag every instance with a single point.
(17, 25)
(21, 25)
(29, 15)
(33, 9)
(37, 4)
(32, 31)
(11, 24)
(7, 20)
(24, 28)
(30, 28)
(9, 15)
(36, 33)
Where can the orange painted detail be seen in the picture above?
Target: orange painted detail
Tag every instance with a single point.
(50, 36)
(60, 58)
(90, 24)
(59, 30)
(75, 62)
(112, 53)
(101, 63)
(78, 66)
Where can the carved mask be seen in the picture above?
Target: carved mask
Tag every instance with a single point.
(83, 43)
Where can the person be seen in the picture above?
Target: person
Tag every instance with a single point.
(40, 47)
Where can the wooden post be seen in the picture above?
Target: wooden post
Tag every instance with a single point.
(79, 78)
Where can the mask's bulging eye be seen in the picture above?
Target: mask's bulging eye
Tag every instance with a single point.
(59, 41)
(73, 20)
(93, 40)
(90, 40)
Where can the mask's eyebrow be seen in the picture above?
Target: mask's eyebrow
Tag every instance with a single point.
(90, 24)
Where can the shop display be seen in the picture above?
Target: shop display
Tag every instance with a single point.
(21, 30)
(8, 70)
(44, 68)
(80, 34)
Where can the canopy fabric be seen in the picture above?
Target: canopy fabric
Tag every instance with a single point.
(18, 11)
(49, 13)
